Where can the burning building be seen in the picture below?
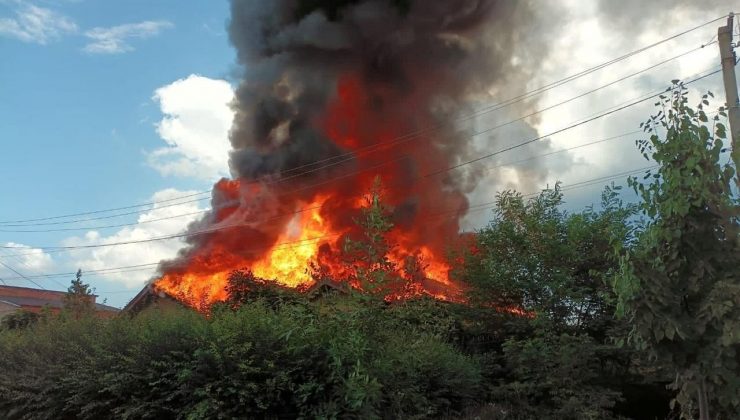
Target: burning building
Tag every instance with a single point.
(335, 94)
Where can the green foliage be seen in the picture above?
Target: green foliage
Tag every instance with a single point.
(79, 300)
(559, 362)
(679, 286)
(556, 376)
(19, 320)
(368, 256)
(290, 361)
(243, 287)
(537, 338)
(537, 257)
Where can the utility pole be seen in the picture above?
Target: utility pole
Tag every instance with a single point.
(727, 54)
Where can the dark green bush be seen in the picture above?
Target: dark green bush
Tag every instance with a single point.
(18, 320)
(556, 377)
(295, 361)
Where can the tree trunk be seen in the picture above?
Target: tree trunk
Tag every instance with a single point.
(703, 401)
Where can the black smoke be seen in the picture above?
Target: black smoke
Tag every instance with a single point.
(292, 53)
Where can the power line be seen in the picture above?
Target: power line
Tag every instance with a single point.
(559, 130)
(444, 170)
(113, 270)
(188, 214)
(112, 216)
(479, 112)
(434, 173)
(537, 91)
(470, 208)
(147, 266)
(23, 263)
(567, 187)
(159, 219)
(351, 155)
(113, 209)
(21, 275)
(650, 95)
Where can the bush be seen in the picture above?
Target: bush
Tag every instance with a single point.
(294, 361)
(556, 377)
(18, 320)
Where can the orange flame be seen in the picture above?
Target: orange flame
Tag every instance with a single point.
(296, 249)
(306, 230)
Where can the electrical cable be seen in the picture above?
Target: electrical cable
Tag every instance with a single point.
(485, 205)
(434, 173)
(477, 113)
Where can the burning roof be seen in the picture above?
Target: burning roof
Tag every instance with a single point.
(333, 95)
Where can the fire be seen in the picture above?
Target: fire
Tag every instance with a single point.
(293, 231)
(288, 265)
(297, 248)
(326, 106)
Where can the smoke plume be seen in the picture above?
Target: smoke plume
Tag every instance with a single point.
(336, 93)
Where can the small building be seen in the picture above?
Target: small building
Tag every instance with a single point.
(148, 297)
(14, 299)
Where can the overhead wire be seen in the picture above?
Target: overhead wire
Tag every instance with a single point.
(539, 90)
(314, 185)
(479, 112)
(443, 170)
(112, 216)
(21, 275)
(430, 174)
(23, 263)
(149, 265)
(615, 137)
(137, 223)
(350, 156)
(473, 207)
(149, 204)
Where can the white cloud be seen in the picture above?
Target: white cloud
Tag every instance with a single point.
(36, 25)
(138, 253)
(588, 39)
(196, 124)
(114, 39)
(33, 259)
(26, 261)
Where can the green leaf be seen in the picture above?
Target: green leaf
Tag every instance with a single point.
(669, 332)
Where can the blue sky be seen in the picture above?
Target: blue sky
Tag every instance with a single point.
(75, 125)
(105, 104)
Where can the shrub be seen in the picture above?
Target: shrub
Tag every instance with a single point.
(291, 361)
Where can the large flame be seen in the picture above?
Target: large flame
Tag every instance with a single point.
(285, 231)
(288, 262)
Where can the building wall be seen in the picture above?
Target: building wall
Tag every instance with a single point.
(6, 308)
(31, 293)
(36, 300)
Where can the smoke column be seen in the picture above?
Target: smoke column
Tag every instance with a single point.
(333, 95)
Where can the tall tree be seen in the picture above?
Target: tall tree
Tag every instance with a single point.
(368, 253)
(558, 361)
(680, 285)
(536, 256)
(79, 300)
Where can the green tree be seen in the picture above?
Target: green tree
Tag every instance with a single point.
(367, 255)
(558, 360)
(537, 257)
(79, 300)
(679, 285)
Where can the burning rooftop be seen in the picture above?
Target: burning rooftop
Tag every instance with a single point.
(333, 96)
